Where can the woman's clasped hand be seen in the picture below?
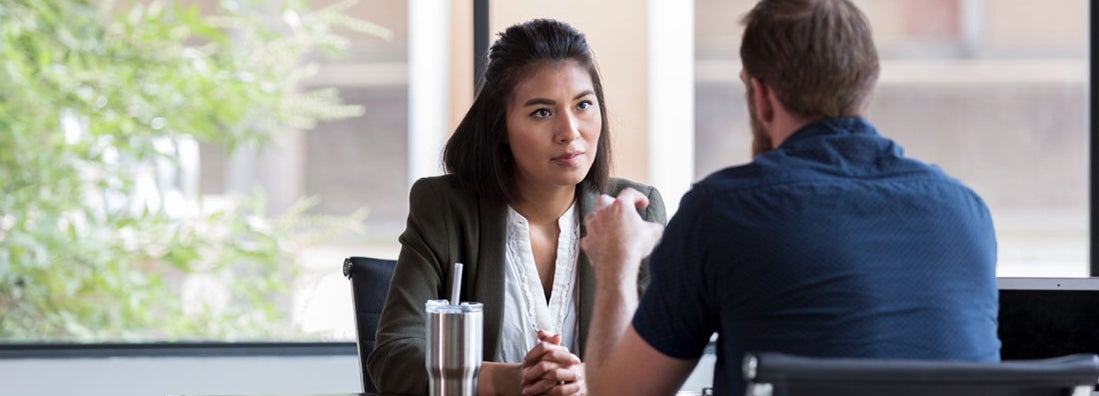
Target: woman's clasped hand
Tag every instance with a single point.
(550, 369)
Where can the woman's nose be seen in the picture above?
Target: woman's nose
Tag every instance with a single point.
(567, 128)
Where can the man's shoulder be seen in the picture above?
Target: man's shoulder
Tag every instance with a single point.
(720, 189)
(915, 176)
(789, 178)
(746, 176)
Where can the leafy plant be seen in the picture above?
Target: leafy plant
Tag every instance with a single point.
(99, 106)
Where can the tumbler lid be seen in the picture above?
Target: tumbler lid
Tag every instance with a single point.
(444, 306)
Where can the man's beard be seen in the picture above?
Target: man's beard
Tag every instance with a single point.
(761, 143)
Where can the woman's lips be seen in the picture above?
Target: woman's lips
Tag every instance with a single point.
(569, 159)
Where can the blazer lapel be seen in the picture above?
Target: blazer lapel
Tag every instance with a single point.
(586, 281)
(490, 271)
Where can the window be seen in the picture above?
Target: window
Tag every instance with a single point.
(350, 164)
(136, 224)
(993, 92)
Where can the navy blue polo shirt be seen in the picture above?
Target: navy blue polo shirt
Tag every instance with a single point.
(834, 244)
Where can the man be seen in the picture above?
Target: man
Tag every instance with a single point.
(830, 243)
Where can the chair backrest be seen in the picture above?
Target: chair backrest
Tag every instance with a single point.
(777, 374)
(369, 287)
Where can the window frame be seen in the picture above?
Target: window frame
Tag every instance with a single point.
(175, 349)
(1093, 141)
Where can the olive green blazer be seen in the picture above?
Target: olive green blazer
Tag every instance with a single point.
(448, 223)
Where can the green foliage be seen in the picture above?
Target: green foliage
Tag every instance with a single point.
(92, 97)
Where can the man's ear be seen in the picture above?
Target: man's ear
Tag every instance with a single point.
(763, 96)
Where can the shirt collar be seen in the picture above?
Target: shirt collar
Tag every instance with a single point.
(831, 127)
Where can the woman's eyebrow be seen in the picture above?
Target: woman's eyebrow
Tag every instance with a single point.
(539, 101)
(544, 101)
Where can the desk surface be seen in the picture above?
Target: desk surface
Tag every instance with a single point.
(301, 394)
(305, 394)
(1096, 393)
(369, 394)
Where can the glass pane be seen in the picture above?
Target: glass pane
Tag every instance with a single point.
(203, 188)
(994, 92)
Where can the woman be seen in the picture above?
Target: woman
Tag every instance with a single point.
(524, 166)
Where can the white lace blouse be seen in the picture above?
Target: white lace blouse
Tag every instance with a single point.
(525, 307)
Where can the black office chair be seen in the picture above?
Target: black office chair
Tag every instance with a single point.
(369, 286)
(777, 374)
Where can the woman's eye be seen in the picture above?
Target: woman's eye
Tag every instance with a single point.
(584, 105)
(540, 113)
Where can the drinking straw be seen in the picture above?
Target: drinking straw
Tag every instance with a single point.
(456, 286)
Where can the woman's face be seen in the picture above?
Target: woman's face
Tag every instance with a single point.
(553, 126)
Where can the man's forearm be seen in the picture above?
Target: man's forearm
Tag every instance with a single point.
(615, 302)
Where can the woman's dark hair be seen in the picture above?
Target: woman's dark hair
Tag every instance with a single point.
(478, 153)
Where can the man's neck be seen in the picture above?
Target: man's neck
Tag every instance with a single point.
(784, 126)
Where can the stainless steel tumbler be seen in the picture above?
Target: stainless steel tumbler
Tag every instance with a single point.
(454, 348)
